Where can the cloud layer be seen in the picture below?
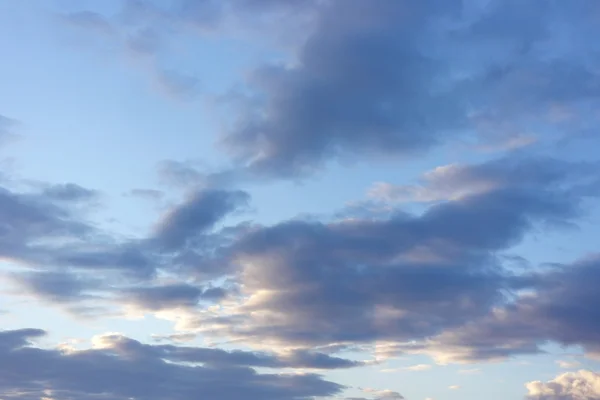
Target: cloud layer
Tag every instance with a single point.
(432, 272)
(121, 368)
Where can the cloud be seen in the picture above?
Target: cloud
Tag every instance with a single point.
(30, 217)
(7, 126)
(88, 20)
(398, 79)
(175, 337)
(434, 278)
(199, 213)
(454, 181)
(558, 307)
(144, 32)
(419, 367)
(568, 364)
(402, 278)
(180, 174)
(470, 371)
(150, 194)
(56, 286)
(136, 39)
(381, 394)
(69, 192)
(169, 296)
(178, 85)
(44, 230)
(454, 387)
(360, 85)
(581, 385)
(119, 368)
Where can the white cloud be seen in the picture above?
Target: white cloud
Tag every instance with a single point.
(568, 364)
(469, 371)
(385, 394)
(419, 367)
(580, 385)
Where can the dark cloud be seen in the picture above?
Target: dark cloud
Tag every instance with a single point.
(399, 78)
(197, 215)
(171, 296)
(308, 283)
(56, 286)
(559, 307)
(28, 218)
(44, 228)
(120, 368)
(403, 278)
(223, 358)
(131, 259)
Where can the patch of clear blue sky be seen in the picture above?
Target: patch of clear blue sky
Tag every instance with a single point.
(92, 118)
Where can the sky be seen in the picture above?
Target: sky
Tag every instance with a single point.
(299, 200)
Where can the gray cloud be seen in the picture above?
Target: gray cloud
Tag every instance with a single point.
(562, 310)
(399, 279)
(366, 85)
(27, 218)
(458, 180)
(120, 368)
(151, 194)
(44, 228)
(170, 296)
(197, 215)
(69, 192)
(362, 85)
(222, 358)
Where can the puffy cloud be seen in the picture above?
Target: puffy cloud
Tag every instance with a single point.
(121, 368)
(581, 385)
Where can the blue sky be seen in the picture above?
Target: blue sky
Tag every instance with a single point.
(317, 199)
